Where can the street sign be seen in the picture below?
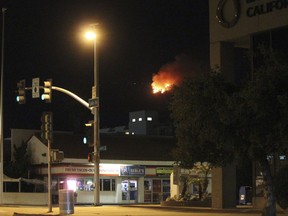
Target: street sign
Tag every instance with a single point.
(94, 102)
(35, 88)
(94, 92)
(103, 148)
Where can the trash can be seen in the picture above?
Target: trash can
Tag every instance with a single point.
(245, 195)
(66, 202)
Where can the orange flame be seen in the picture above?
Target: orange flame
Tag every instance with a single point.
(164, 81)
(172, 74)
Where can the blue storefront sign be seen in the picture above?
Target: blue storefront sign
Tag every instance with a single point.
(132, 170)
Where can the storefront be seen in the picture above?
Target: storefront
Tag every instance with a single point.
(119, 184)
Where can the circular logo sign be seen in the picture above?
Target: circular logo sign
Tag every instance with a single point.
(219, 13)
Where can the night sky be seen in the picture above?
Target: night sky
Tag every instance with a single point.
(44, 39)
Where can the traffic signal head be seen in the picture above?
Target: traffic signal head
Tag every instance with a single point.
(91, 157)
(47, 126)
(47, 95)
(89, 138)
(21, 94)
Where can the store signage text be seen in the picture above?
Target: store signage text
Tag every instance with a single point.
(104, 170)
(78, 170)
(132, 171)
(164, 170)
(266, 8)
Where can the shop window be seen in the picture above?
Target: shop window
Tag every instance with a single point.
(156, 190)
(85, 184)
(107, 184)
(113, 185)
(147, 190)
(166, 186)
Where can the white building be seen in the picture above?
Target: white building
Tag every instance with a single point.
(133, 169)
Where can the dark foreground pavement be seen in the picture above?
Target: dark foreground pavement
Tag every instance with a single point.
(128, 210)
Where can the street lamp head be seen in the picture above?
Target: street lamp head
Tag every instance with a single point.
(90, 35)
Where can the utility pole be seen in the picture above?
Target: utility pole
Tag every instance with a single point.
(1, 109)
(47, 129)
(95, 95)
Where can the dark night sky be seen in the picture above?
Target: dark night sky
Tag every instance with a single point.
(138, 37)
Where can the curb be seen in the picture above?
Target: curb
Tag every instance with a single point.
(20, 214)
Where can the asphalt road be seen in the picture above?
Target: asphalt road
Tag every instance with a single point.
(133, 210)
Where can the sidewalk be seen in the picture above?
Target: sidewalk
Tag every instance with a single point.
(131, 210)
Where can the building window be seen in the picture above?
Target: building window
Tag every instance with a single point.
(133, 120)
(86, 184)
(107, 184)
(149, 118)
(140, 119)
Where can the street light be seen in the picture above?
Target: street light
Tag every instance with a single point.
(91, 35)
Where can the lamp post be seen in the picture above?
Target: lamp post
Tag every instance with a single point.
(95, 111)
(1, 109)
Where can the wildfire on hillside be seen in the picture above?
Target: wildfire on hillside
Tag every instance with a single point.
(173, 73)
(164, 81)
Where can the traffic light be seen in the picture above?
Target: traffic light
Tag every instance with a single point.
(89, 136)
(47, 126)
(47, 95)
(91, 157)
(21, 97)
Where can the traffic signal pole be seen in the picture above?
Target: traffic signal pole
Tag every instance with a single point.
(67, 92)
(46, 125)
(47, 130)
(49, 176)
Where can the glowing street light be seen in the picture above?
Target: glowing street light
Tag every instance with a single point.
(90, 35)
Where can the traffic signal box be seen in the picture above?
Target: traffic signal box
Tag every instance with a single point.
(91, 157)
(47, 95)
(90, 136)
(21, 94)
(47, 126)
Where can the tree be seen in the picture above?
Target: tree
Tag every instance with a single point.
(261, 111)
(202, 170)
(20, 166)
(199, 110)
(200, 113)
(219, 123)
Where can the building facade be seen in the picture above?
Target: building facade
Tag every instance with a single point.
(237, 29)
(133, 169)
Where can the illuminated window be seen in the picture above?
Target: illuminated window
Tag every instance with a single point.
(140, 119)
(149, 118)
(133, 120)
